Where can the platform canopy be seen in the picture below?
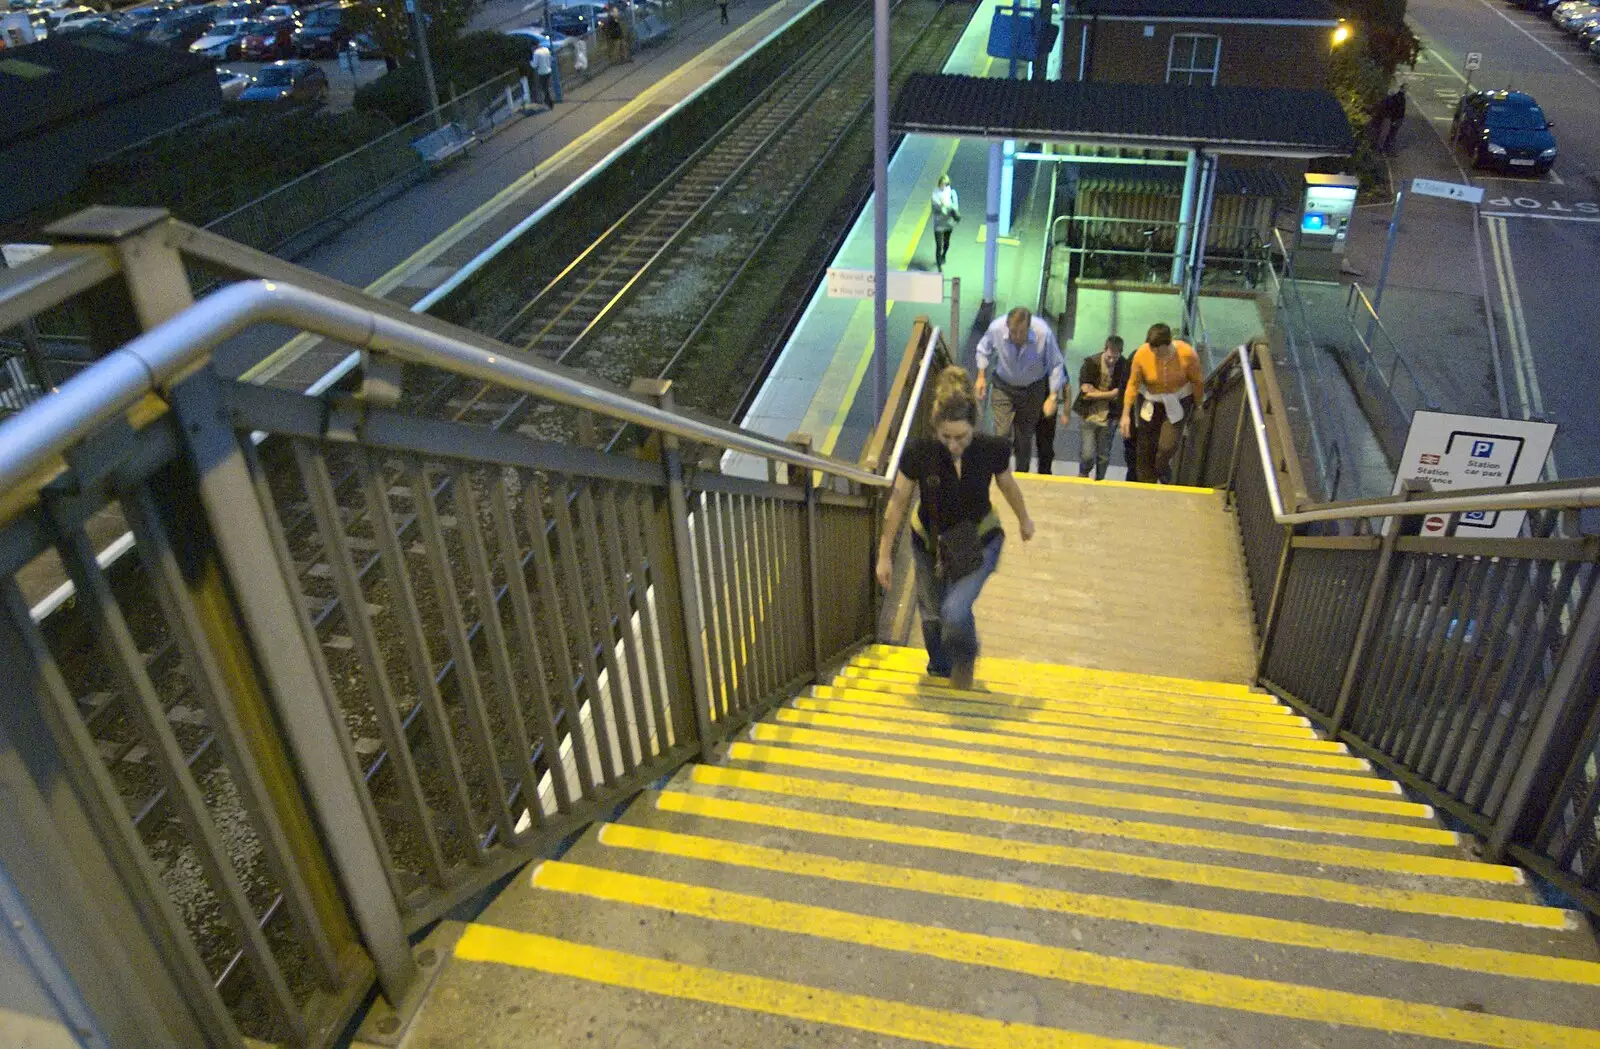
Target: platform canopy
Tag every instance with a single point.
(1241, 121)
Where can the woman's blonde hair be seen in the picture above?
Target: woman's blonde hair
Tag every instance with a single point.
(953, 398)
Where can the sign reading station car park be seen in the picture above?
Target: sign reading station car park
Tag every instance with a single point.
(1474, 60)
(904, 285)
(1469, 451)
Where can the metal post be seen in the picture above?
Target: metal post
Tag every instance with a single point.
(1540, 761)
(659, 392)
(957, 340)
(1369, 615)
(1191, 171)
(991, 240)
(802, 441)
(1383, 270)
(1275, 604)
(880, 204)
(1197, 242)
(419, 26)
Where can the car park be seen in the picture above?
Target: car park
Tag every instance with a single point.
(261, 44)
(1577, 26)
(295, 82)
(1566, 14)
(325, 31)
(222, 41)
(1505, 130)
(233, 83)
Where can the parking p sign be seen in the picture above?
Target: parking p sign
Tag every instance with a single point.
(1474, 60)
(1469, 451)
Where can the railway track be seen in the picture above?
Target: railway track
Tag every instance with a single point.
(703, 226)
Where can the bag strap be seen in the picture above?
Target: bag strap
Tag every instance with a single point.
(933, 516)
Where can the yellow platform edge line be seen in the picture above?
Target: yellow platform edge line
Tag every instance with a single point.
(1219, 759)
(1299, 730)
(881, 1016)
(1228, 924)
(1121, 864)
(1169, 982)
(882, 754)
(1053, 819)
(1311, 753)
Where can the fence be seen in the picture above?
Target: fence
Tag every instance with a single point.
(361, 671)
(1108, 248)
(1465, 667)
(332, 191)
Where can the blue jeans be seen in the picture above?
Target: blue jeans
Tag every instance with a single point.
(948, 628)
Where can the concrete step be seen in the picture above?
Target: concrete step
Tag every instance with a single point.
(995, 668)
(971, 958)
(1130, 838)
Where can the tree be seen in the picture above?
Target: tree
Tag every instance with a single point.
(389, 24)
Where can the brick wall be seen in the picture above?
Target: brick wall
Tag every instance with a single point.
(1251, 55)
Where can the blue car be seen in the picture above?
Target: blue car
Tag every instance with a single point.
(1505, 130)
(296, 82)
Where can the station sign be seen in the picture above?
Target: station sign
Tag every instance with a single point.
(904, 285)
(1452, 452)
(1428, 187)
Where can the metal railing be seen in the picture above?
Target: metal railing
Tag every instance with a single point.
(1105, 247)
(358, 672)
(1466, 667)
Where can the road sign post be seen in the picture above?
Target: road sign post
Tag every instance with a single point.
(1474, 60)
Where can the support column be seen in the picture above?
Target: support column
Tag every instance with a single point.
(1008, 172)
(1185, 217)
(880, 205)
(991, 236)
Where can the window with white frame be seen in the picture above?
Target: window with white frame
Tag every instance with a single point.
(1194, 59)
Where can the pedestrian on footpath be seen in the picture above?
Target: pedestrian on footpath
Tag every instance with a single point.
(1101, 382)
(1394, 112)
(956, 536)
(946, 207)
(615, 36)
(1165, 389)
(1021, 351)
(543, 67)
(722, 6)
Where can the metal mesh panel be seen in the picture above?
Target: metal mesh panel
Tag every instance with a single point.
(1317, 622)
(1262, 536)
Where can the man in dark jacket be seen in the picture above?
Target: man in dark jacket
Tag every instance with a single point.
(1101, 381)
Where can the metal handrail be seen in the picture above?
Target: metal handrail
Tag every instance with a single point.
(1540, 497)
(893, 466)
(112, 385)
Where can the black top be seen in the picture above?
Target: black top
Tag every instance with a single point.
(1089, 375)
(966, 498)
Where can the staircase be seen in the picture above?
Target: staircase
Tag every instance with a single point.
(1063, 856)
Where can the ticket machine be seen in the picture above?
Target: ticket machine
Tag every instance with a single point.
(1325, 213)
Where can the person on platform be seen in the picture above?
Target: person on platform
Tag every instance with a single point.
(946, 206)
(543, 68)
(1019, 357)
(1165, 389)
(722, 8)
(1101, 382)
(956, 536)
(1390, 114)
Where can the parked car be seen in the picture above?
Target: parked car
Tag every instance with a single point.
(181, 30)
(261, 43)
(576, 19)
(277, 11)
(1579, 25)
(233, 83)
(295, 82)
(1505, 130)
(1565, 14)
(99, 23)
(222, 41)
(64, 18)
(535, 35)
(326, 29)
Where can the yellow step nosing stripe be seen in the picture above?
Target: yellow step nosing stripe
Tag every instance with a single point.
(1065, 965)
(1015, 720)
(1170, 835)
(1019, 669)
(1298, 733)
(1121, 864)
(1230, 924)
(888, 750)
(1068, 698)
(1064, 685)
(757, 994)
(1225, 761)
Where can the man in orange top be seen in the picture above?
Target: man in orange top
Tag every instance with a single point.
(1165, 390)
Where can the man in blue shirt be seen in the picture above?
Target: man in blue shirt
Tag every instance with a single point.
(1019, 357)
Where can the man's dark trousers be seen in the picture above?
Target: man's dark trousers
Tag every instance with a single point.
(1016, 414)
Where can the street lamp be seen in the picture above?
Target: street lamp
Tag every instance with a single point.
(1341, 34)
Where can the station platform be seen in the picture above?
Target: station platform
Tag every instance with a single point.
(409, 250)
(821, 383)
